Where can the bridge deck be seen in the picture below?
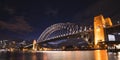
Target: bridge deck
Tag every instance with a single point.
(68, 36)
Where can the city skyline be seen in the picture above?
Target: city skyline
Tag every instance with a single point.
(26, 20)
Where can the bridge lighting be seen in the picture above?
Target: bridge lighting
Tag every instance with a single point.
(111, 37)
(80, 30)
(118, 33)
(73, 32)
(67, 34)
(68, 37)
(118, 46)
(98, 29)
(90, 28)
(85, 28)
(70, 30)
(56, 36)
(77, 31)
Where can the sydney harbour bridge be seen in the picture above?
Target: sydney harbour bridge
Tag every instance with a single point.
(75, 35)
(66, 34)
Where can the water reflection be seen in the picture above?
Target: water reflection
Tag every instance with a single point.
(114, 56)
(34, 56)
(100, 55)
(76, 55)
(68, 55)
(61, 55)
(45, 56)
(23, 57)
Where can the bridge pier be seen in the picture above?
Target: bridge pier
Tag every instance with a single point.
(99, 25)
(34, 48)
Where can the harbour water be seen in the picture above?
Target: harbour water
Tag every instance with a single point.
(60, 55)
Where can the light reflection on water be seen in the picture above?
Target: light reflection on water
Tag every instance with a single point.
(61, 55)
(68, 55)
(100, 55)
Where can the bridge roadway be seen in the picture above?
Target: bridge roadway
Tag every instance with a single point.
(67, 36)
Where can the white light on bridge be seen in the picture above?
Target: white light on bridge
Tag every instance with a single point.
(111, 37)
(118, 33)
(118, 46)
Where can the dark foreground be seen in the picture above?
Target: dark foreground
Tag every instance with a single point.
(60, 55)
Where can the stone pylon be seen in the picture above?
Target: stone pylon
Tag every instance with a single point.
(100, 23)
(34, 45)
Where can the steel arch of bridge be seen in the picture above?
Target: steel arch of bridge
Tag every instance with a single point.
(70, 28)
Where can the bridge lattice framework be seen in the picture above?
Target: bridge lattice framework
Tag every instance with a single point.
(65, 30)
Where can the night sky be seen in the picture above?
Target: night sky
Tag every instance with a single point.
(26, 20)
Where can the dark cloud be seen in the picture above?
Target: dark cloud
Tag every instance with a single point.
(19, 26)
(10, 10)
(9, 37)
(51, 12)
(14, 22)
